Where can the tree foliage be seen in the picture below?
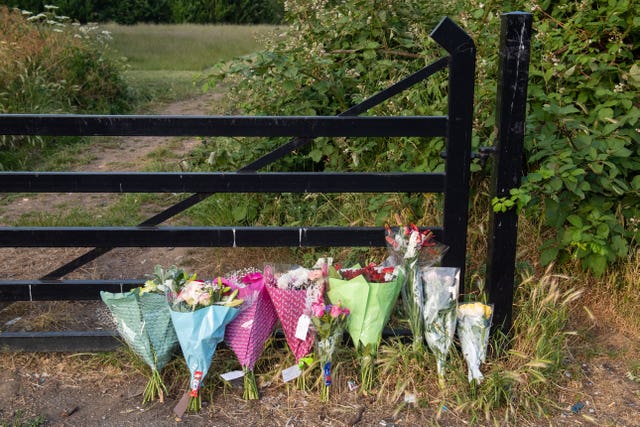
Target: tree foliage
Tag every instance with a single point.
(162, 11)
(583, 177)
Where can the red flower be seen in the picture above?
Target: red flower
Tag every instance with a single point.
(371, 273)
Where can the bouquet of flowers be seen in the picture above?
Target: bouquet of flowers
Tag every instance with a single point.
(441, 291)
(142, 319)
(200, 311)
(413, 249)
(248, 332)
(293, 290)
(474, 324)
(370, 293)
(329, 322)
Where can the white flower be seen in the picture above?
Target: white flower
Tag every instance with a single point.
(413, 246)
(441, 297)
(191, 294)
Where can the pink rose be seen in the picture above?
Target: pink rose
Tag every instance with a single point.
(204, 299)
(336, 311)
(314, 274)
(191, 292)
(317, 310)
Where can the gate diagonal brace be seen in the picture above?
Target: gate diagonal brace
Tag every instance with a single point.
(294, 143)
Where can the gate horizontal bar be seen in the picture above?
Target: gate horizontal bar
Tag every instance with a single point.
(176, 182)
(98, 341)
(62, 290)
(67, 341)
(29, 237)
(155, 125)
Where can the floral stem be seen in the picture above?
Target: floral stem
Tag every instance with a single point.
(195, 403)
(417, 345)
(250, 386)
(325, 365)
(324, 392)
(301, 381)
(367, 368)
(155, 388)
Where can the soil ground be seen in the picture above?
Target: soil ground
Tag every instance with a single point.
(92, 390)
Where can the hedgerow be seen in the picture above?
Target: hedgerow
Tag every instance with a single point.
(583, 163)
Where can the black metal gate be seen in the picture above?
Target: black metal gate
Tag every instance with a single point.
(455, 127)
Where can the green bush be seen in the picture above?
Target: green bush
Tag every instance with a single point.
(98, 82)
(583, 177)
(582, 125)
(584, 133)
(330, 57)
(49, 66)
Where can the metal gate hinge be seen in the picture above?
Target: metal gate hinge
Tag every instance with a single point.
(483, 154)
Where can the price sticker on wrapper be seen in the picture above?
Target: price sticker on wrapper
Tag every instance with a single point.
(326, 370)
(195, 383)
(304, 322)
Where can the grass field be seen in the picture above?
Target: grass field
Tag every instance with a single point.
(185, 47)
(164, 61)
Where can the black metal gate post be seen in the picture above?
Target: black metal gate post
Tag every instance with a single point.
(462, 69)
(513, 74)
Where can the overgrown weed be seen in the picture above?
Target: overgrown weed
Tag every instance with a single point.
(520, 377)
(20, 419)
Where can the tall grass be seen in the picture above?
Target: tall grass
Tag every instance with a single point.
(518, 383)
(48, 65)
